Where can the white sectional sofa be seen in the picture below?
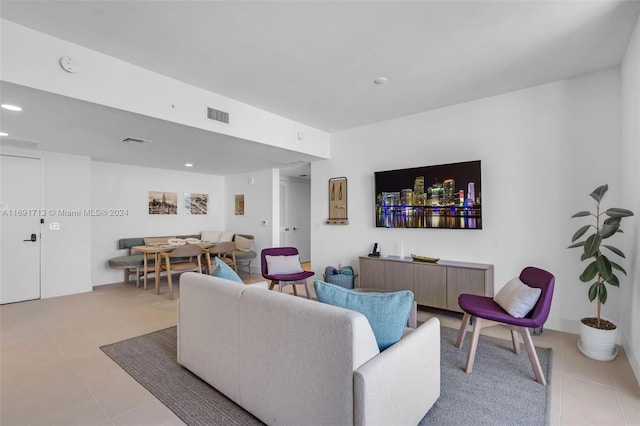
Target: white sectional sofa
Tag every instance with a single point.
(293, 361)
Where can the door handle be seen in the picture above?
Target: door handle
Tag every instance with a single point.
(286, 229)
(34, 237)
(295, 229)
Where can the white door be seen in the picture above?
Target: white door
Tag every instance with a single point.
(284, 214)
(295, 217)
(20, 213)
(300, 218)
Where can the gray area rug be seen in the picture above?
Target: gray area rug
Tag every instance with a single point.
(501, 390)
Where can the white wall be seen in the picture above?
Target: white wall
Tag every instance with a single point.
(257, 188)
(630, 289)
(537, 148)
(66, 253)
(115, 186)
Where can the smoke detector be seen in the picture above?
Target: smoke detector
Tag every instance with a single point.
(69, 65)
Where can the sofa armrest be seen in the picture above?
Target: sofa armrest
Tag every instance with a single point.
(400, 385)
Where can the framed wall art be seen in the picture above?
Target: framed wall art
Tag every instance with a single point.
(239, 205)
(195, 203)
(163, 202)
(338, 201)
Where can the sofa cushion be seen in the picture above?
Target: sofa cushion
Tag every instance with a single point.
(225, 237)
(242, 243)
(133, 260)
(210, 236)
(278, 265)
(245, 255)
(517, 298)
(281, 337)
(127, 243)
(387, 312)
(222, 270)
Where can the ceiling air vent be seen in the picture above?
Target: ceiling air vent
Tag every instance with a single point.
(217, 115)
(136, 140)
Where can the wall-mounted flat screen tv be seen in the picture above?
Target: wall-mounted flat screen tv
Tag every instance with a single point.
(445, 196)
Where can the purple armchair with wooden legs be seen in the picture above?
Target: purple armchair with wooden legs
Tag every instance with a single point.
(484, 308)
(297, 278)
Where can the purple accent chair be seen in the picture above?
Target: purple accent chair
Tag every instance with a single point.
(484, 308)
(299, 278)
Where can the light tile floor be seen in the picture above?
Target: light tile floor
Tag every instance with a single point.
(52, 371)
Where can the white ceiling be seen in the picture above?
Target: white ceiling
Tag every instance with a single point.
(315, 61)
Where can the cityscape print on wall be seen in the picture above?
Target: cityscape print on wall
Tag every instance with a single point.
(442, 196)
(195, 203)
(163, 202)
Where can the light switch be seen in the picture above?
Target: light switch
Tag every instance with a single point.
(54, 226)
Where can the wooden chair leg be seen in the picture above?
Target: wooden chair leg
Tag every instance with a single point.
(474, 345)
(516, 342)
(533, 355)
(295, 292)
(273, 283)
(170, 285)
(306, 289)
(463, 329)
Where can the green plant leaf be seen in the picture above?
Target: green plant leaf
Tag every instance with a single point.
(618, 212)
(582, 214)
(589, 272)
(580, 244)
(592, 245)
(618, 267)
(593, 291)
(599, 192)
(602, 289)
(614, 281)
(604, 267)
(615, 250)
(580, 232)
(610, 227)
(585, 256)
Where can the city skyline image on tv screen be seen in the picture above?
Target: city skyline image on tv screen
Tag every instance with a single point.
(447, 196)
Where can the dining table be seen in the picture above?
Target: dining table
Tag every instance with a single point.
(155, 250)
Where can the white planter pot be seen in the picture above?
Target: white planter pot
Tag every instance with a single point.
(598, 344)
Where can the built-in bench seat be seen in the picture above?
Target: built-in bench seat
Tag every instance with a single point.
(133, 263)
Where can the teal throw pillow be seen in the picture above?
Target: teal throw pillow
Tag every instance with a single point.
(387, 312)
(222, 270)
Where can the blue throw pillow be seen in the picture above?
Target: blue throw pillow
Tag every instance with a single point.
(387, 312)
(222, 270)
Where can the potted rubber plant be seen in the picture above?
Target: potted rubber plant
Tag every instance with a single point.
(598, 335)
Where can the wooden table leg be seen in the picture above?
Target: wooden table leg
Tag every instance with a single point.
(144, 269)
(157, 273)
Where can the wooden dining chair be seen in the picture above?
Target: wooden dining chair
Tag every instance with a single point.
(225, 252)
(185, 258)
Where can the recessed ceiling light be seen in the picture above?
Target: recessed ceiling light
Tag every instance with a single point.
(381, 80)
(4, 134)
(188, 165)
(11, 107)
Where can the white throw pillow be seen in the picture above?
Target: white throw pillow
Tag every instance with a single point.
(277, 265)
(225, 237)
(210, 236)
(517, 298)
(243, 244)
